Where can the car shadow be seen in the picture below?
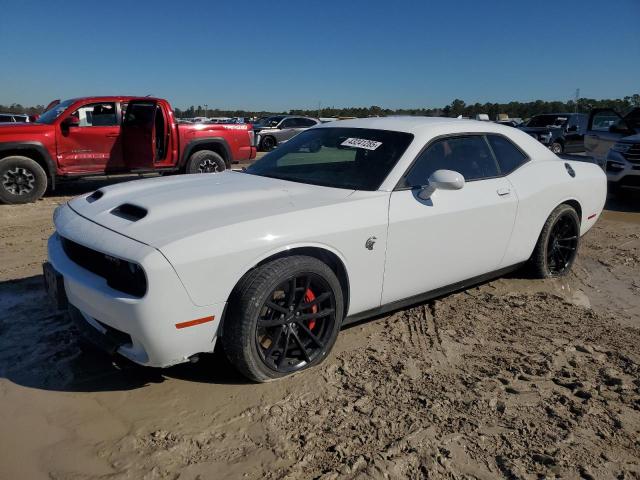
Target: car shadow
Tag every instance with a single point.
(626, 200)
(42, 348)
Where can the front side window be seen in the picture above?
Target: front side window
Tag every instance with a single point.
(289, 123)
(351, 158)
(468, 155)
(548, 121)
(97, 115)
(508, 155)
(603, 120)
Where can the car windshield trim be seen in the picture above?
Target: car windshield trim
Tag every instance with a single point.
(48, 117)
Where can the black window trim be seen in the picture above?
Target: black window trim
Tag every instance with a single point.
(401, 187)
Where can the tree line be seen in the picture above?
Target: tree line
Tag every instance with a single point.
(455, 108)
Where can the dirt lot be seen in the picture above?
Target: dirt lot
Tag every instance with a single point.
(516, 378)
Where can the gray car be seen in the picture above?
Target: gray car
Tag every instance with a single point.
(272, 131)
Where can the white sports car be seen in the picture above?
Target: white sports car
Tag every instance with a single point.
(347, 220)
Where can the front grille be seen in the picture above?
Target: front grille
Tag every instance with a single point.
(633, 154)
(120, 275)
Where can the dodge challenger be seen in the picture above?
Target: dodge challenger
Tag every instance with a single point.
(345, 221)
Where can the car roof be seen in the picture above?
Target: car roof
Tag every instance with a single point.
(112, 98)
(414, 124)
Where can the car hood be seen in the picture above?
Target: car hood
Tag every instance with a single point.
(17, 128)
(172, 208)
(632, 138)
(538, 129)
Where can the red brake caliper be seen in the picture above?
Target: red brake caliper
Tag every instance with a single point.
(310, 297)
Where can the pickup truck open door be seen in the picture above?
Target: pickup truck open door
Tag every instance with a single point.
(146, 135)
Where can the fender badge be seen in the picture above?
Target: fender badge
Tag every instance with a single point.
(371, 241)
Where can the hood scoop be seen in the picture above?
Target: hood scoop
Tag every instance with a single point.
(130, 212)
(97, 195)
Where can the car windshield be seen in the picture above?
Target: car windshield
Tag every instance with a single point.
(548, 121)
(351, 158)
(268, 121)
(50, 115)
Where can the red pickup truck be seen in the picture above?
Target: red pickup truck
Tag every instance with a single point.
(104, 135)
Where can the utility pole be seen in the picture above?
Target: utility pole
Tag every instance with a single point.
(577, 98)
(319, 108)
(206, 107)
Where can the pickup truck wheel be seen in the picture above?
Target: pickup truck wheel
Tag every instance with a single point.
(557, 245)
(205, 161)
(556, 147)
(283, 318)
(267, 143)
(22, 180)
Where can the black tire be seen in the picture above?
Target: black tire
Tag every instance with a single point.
(260, 352)
(557, 148)
(205, 161)
(22, 180)
(557, 245)
(268, 143)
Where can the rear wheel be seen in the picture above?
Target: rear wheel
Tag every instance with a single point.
(205, 161)
(22, 180)
(283, 318)
(557, 246)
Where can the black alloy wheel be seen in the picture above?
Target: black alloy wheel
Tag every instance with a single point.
(268, 143)
(562, 244)
(209, 165)
(296, 323)
(18, 181)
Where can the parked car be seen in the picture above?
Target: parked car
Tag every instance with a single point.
(561, 132)
(613, 141)
(98, 135)
(347, 220)
(16, 118)
(272, 131)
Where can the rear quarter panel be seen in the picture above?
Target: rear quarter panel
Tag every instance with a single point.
(541, 186)
(236, 136)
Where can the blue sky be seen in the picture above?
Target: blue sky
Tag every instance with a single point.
(279, 55)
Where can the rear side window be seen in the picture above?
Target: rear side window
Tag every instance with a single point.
(469, 156)
(508, 155)
(307, 122)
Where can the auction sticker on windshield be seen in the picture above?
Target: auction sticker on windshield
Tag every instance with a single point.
(361, 143)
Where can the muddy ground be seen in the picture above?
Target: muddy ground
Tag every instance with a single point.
(516, 378)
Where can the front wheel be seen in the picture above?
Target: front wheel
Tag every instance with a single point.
(267, 143)
(556, 147)
(283, 318)
(205, 161)
(22, 180)
(557, 245)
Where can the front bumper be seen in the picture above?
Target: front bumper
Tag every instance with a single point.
(621, 170)
(150, 327)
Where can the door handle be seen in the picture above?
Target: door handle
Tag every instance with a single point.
(503, 191)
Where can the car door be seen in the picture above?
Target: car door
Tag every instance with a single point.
(88, 138)
(454, 235)
(287, 129)
(138, 134)
(604, 128)
(574, 134)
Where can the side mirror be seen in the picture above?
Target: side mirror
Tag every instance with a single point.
(442, 180)
(71, 122)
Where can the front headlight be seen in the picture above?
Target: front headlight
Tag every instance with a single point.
(621, 147)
